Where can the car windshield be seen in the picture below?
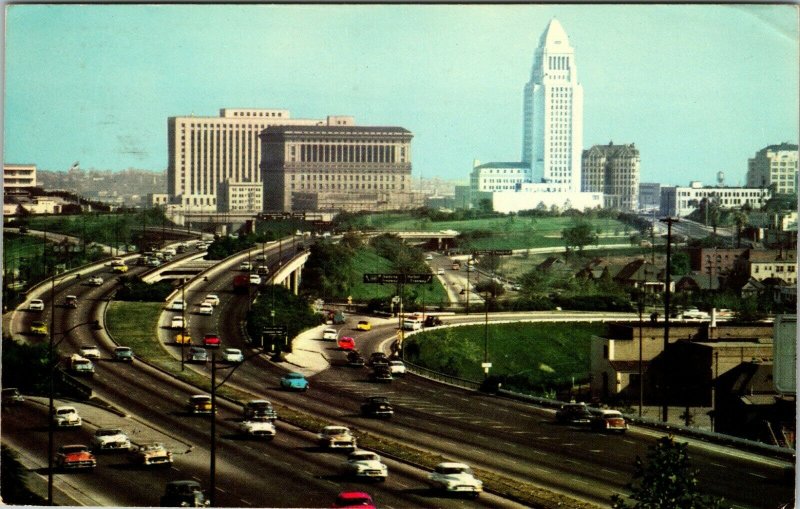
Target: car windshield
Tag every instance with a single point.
(123, 349)
(364, 456)
(379, 399)
(108, 432)
(71, 449)
(335, 431)
(353, 501)
(65, 411)
(294, 376)
(453, 470)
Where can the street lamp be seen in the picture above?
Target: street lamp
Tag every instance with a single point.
(667, 295)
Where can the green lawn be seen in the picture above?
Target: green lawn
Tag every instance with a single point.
(18, 247)
(367, 261)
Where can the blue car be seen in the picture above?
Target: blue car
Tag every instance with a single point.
(294, 382)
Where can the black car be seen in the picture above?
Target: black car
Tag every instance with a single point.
(573, 413)
(355, 359)
(377, 406)
(378, 359)
(432, 321)
(381, 373)
(183, 494)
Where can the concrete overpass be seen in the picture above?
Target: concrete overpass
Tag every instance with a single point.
(289, 273)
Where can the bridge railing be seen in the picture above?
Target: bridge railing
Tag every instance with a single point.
(442, 377)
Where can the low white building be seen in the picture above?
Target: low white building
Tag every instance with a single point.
(239, 196)
(682, 201)
(499, 176)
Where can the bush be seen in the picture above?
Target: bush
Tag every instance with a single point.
(133, 289)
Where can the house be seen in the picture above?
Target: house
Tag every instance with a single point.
(760, 264)
(697, 282)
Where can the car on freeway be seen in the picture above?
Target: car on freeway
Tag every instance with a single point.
(197, 354)
(36, 305)
(152, 261)
(355, 359)
(211, 340)
(150, 454)
(262, 270)
(608, 420)
(212, 298)
(377, 406)
(245, 266)
(440, 271)
(183, 339)
(428, 257)
(258, 427)
(412, 324)
(259, 408)
(432, 321)
(110, 439)
(294, 382)
(123, 354)
(67, 417)
(455, 477)
(78, 365)
(177, 322)
(71, 302)
(90, 351)
(378, 359)
(75, 456)
(573, 413)
(381, 373)
(39, 328)
(260, 258)
(694, 314)
(95, 281)
(186, 493)
(397, 367)
(205, 309)
(119, 269)
(255, 279)
(354, 500)
(177, 305)
(330, 335)
(366, 464)
(346, 343)
(232, 355)
(363, 325)
(169, 251)
(336, 437)
(11, 396)
(199, 404)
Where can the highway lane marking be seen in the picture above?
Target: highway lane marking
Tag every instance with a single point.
(196, 478)
(607, 471)
(246, 501)
(484, 404)
(221, 490)
(717, 465)
(580, 480)
(628, 441)
(757, 475)
(567, 444)
(572, 461)
(540, 469)
(596, 450)
(541, 453)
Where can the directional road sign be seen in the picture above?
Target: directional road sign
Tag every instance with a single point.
(281, 329)
(411, 279)
(492, 252)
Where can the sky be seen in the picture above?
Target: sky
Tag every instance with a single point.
(698, 88)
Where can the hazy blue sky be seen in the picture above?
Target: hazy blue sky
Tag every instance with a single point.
(699, 89)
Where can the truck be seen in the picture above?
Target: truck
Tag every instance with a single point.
(241, 283)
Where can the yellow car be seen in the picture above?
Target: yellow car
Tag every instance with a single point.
(363, 325)
(119, 268)
(39, 328)
(181, 339)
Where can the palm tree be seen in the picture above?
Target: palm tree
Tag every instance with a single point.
(741, 219)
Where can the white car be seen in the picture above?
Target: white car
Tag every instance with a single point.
(212, 299)
(245, 266)
(170, 251)
(233, 355)
(90, 352)
(205, 309)
(36, 305)
(255, 279)
(95, 281)
(365, 464)
(455, 478)
(176, 322)
(429, 257)
(695, 314)
(397, 367)
(67, 416)
(440, 271)
(336, 437)
(330, 335)
(110, 439)
(258, 427)
(178, 305)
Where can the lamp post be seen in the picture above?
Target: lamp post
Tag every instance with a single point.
(640, 307)
(667, 295)
(183, 324)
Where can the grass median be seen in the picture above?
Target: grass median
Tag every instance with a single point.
(135, 324)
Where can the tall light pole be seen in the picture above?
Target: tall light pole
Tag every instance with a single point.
(667, 295)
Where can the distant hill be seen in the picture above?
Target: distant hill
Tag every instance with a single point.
(126, 187)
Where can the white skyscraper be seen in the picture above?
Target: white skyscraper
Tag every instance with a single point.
(552, 141)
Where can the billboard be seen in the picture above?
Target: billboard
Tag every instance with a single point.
(784, 371)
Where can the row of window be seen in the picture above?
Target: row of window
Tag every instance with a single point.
(339, 177)
(344, 187)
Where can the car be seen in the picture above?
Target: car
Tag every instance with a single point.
(199, 404)
(355, 359)
(78, 365)
(152, 262)
(67, 417)
(258, 427)
(259, 408)
(428, 257)
(110, 439)
(330, 335)
(262, 270)
(177, 305)
(608, 420)
(116, 261)
(212, 299)
(365, 464)
(177, 322)
(169, 251)
(354, 499)
(39, 328)
(378, 359)
(377, 406)
(119, 269)
(150, 454)
(123, 354)
(232, 355)
(260, 258)
(183, 339)
(363, 325)
(197, 354)
(75, 456)
(381, 373)
(71, 302)
(36, 305)
(294, 382)
(440, 272)
(432, 321)
(211, 340)
(336, 437)
(695, 314)
(455, 477)
(205, 309)
(181, 248)
(245, 266)
(573, 413)
(255, 279)
(90, 351)
(346, 343)
(412, 324)
(186, 493)
(397, 367)
(11, 396)
(95, 281)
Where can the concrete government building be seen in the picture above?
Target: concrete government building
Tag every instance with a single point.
(336, 167)
(614, 171)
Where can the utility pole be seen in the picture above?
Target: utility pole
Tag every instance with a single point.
(667, 295)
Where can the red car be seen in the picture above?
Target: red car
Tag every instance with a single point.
(347, 343)
(354, 499)
(211, 341)
(75, 456)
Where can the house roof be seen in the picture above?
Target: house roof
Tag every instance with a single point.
(771, 255)
(699, 282)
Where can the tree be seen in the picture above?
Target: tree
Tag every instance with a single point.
(665, 480)
(579, 235)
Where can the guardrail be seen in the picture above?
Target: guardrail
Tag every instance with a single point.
(441, 377)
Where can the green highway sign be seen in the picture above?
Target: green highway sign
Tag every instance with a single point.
(492, 252)
(411, 279)
(274, 330)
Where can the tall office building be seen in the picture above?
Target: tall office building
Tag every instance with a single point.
(205, 151)
(614, 171)
(776, 166)
(553, 113)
